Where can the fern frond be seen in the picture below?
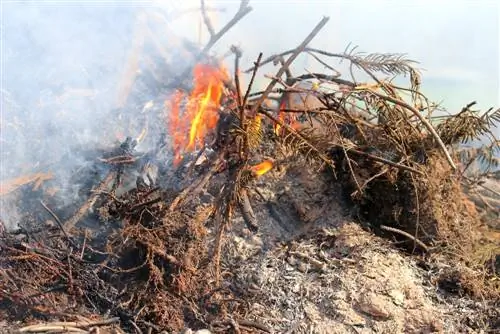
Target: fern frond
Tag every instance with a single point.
(488, 156)
(254, 132)
(467, 125)
(492, 118)
(387, 63)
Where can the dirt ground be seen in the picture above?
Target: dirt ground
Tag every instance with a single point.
(332, 276)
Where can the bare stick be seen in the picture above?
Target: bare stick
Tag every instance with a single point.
(244, 10)
(65, 325)
(252, 79)
(237, 54)
(130, 72)
(254, 324)
(289, 61)
(51, 328)
(206, 19)
(408, 235)
(193, 188)
(243, 146)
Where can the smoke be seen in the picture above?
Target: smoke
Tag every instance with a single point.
(62, 67)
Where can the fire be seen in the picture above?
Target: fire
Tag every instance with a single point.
(285, 117)
(262, 168)
(200, 114)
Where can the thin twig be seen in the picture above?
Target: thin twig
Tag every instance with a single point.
(59, 223)
(289, 61)
(417, 213)
(406, 234)
(385, 161)
(348, 160)
(247, 94)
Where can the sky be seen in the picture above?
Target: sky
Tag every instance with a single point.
(49, 45)
(455, 42)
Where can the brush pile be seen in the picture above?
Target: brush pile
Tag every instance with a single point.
(239, 191)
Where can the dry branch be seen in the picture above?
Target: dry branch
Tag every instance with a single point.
(289, 61)
(80, 214)
(68, 326)
(206, 19)
(242, 12)
(247, 211)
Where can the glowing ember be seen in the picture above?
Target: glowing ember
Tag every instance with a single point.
(262, 168)
(200, 114)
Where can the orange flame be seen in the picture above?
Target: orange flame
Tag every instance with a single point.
(284, 117)
(200, 114)
(262, 168)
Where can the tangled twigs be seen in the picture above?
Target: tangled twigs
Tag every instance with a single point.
(322, 156)
(289, 61)
(422, 119)
(65, 327)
